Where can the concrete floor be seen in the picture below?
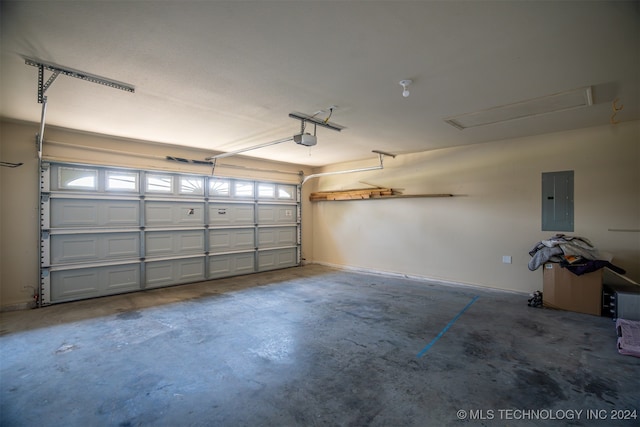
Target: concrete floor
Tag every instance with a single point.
(312, 346)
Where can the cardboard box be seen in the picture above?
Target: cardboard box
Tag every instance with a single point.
(566, 291)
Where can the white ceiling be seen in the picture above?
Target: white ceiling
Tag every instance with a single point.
(224, 75)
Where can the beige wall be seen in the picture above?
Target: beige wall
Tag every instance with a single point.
(496, 209)
(19, 207)
(18, 216)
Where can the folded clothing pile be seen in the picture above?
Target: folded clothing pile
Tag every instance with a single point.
(628, 337)
(560, 246)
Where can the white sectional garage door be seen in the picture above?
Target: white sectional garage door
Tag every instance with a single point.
(108, 230)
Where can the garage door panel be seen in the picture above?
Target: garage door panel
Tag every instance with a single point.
(120, 214)
(231, 239)
(161, 213)
(191, 270)
(122, 279)
(277, 214)
(277, 236)
(75, 248)
(71, 213)
(94, 247)
(172, 272)
(125, 245)
(68, 285)
(158, 244)
(220, 266)
(226, 214)
(74, 213)
(175, 242)
(73, 284)
(277, 258)
(156, 213)
(159, 273)
(231, 265)
(191, 242)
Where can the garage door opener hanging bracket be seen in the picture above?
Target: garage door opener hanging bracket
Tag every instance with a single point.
(56, 71)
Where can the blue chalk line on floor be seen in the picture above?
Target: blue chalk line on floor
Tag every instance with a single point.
(446, 328)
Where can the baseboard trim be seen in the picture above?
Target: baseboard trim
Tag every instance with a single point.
(18, 307)
(419, 278)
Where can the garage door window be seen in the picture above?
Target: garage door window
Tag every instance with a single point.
(192, 185)
(266, 191)
(77, 179)
(122, 181)
(159, 183)
(219, 187)
(243, 189)
(286, 192)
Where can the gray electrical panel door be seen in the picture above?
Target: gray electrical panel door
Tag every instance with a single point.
(109, 230)
(557, 201)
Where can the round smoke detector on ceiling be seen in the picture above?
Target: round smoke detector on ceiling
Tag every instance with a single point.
(404, 84)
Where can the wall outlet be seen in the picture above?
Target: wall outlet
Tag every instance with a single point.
(506, 259)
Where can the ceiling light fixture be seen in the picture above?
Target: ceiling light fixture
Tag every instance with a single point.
(404, 84)
(534, 107)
